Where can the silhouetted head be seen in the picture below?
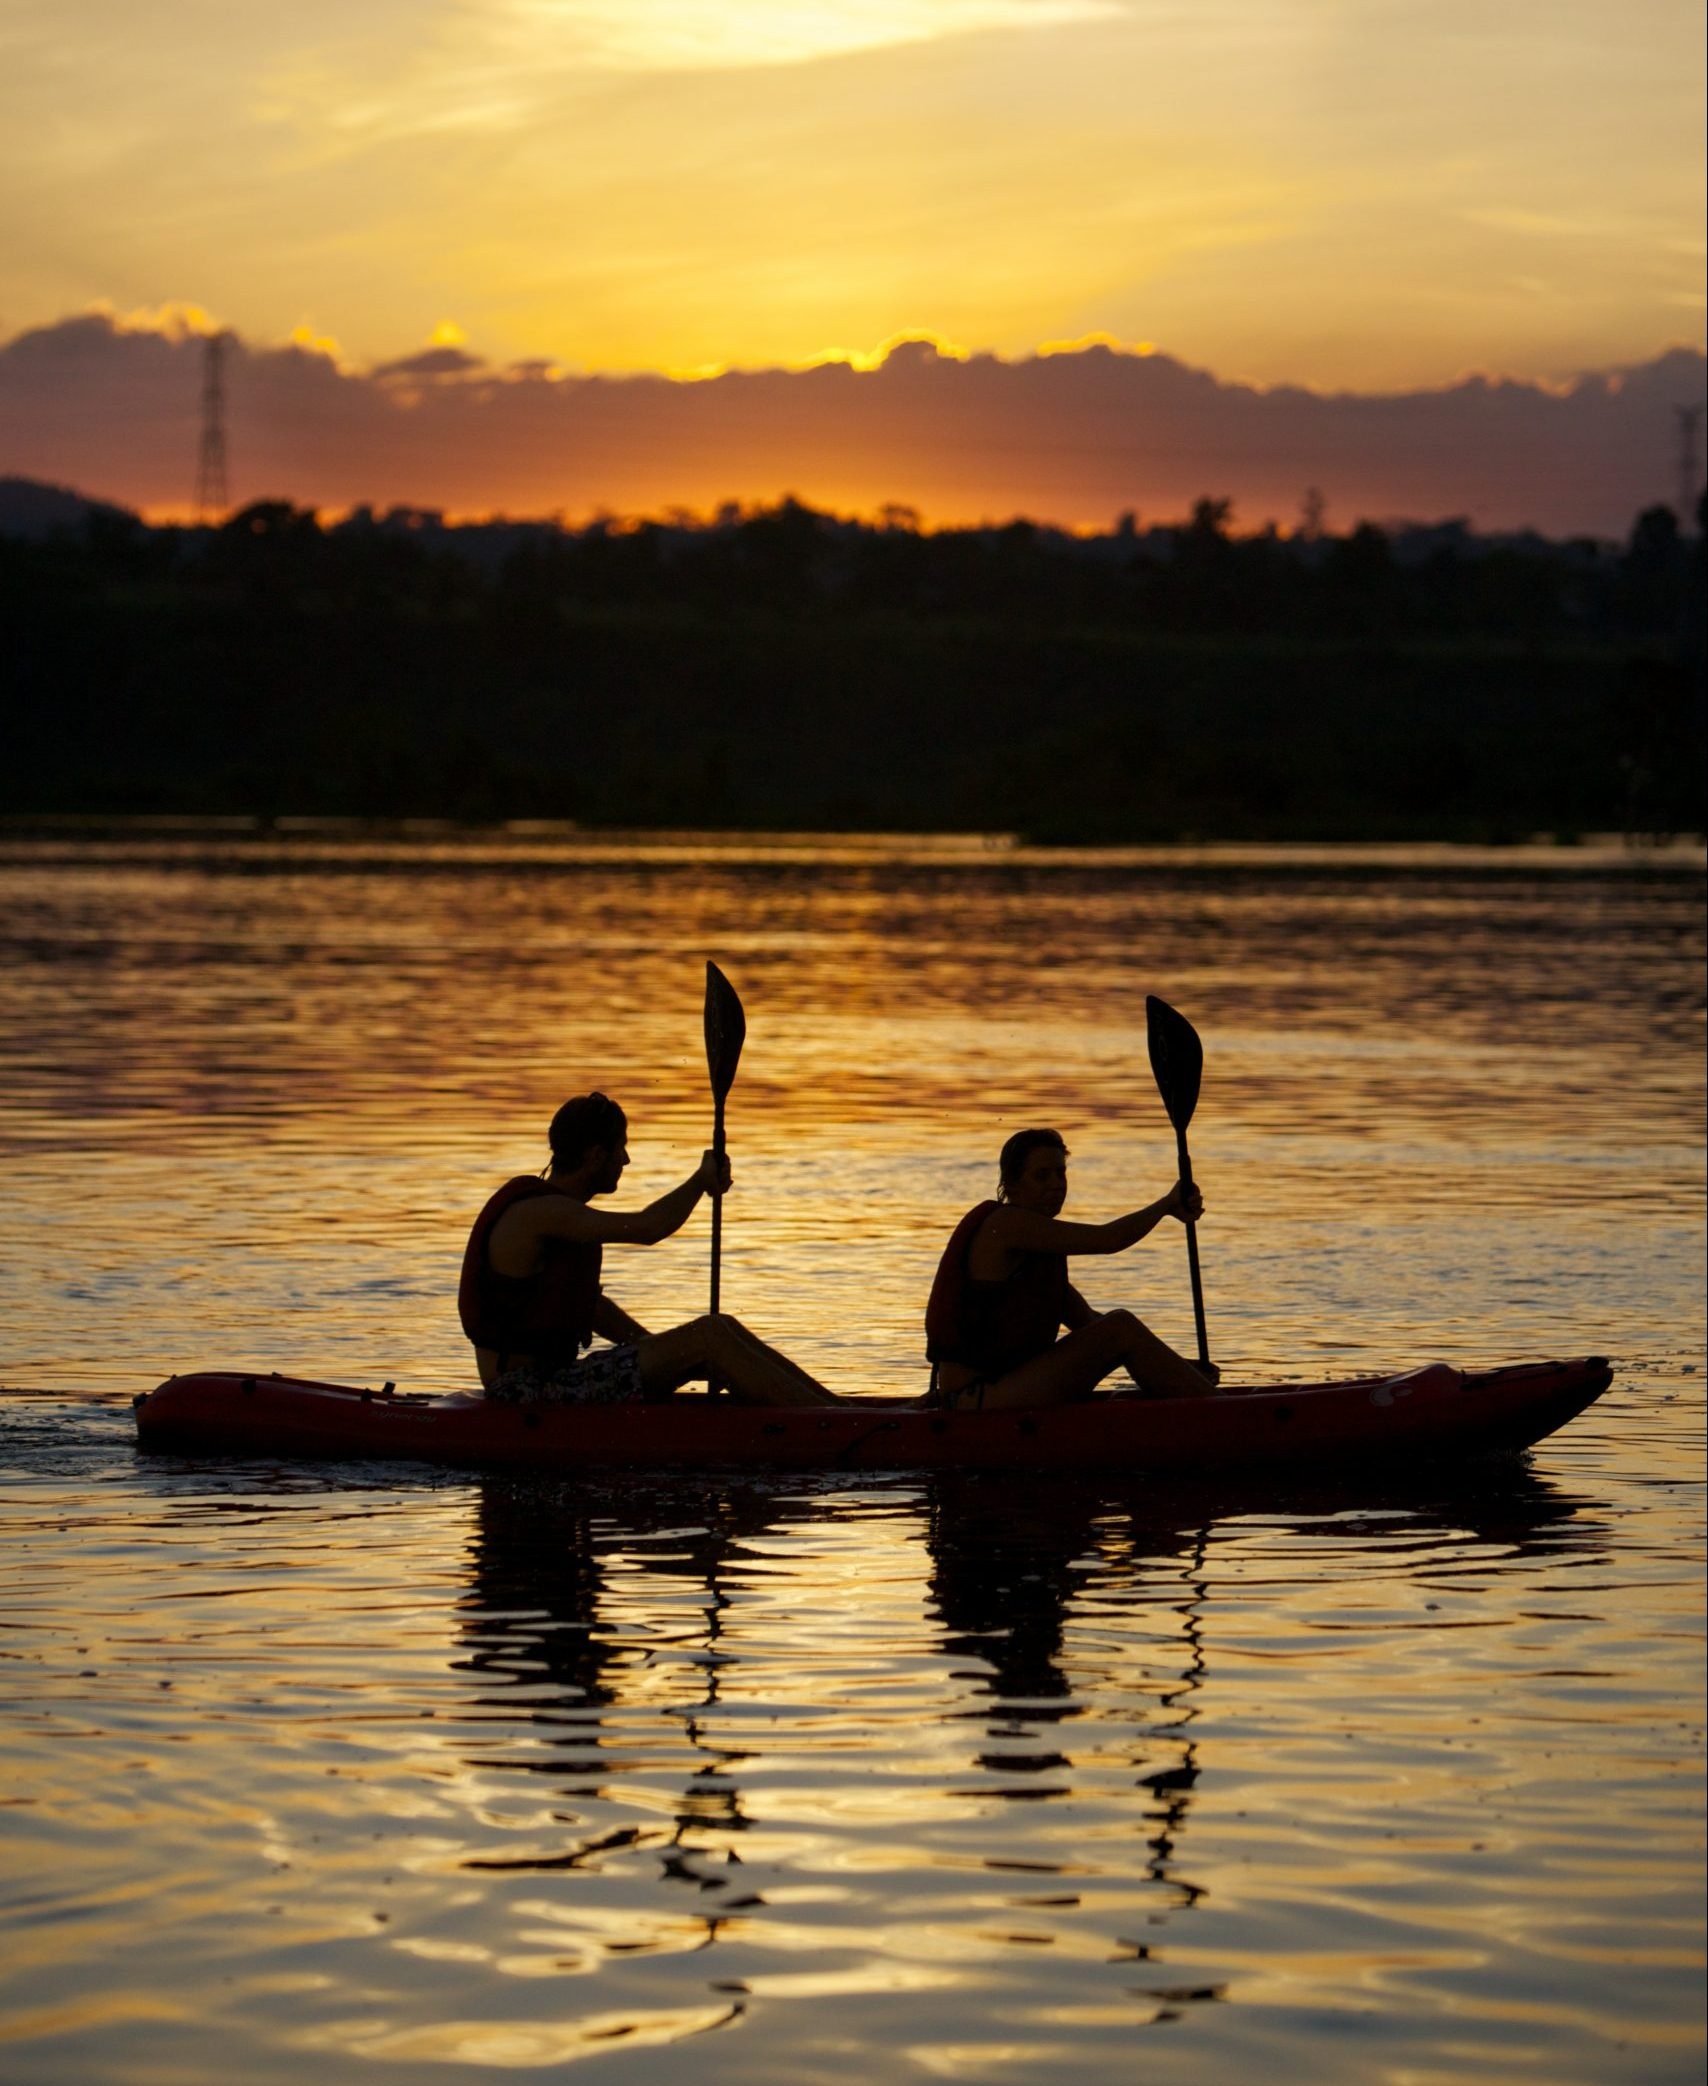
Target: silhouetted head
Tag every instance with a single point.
(585, 1127)
(1032, 1171)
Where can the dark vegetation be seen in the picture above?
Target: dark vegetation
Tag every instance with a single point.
(783, 668)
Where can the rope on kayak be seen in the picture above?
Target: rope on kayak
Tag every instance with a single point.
(860, 1440)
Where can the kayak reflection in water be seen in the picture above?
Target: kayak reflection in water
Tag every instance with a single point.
(530, 1298)
(1002, 1296)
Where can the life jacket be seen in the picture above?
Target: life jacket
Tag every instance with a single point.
(993, 1327)
(548, 1314)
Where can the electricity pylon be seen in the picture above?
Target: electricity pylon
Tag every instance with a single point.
(210, 459)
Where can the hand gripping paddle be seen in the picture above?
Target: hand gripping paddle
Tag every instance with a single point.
(726, 1031)
(1177, 1059)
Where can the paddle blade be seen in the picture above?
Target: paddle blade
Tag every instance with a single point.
(726, 1031)
(1177, 1059)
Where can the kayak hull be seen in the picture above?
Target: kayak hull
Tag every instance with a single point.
(1425, 1415)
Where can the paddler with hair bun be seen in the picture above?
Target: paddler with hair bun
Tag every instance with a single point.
(531, 1296)
(1002, 1296)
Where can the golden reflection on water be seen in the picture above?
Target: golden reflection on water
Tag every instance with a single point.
(333, 1769)
(299, 1071)
(494, 1774)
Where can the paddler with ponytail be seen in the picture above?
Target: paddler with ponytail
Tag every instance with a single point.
(1002, 1296)
(531, 1296)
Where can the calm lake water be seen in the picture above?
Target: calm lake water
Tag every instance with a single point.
(352, 1772)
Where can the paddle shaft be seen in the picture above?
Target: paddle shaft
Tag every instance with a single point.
(726, 1029)
(1192, 1255)
(717, 1198)
(714, 1389)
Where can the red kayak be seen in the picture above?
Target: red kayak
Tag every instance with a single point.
(1429, 1413)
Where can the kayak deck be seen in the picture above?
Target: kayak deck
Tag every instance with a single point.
(1422, 1414)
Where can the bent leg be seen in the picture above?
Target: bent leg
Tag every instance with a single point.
(1074, 1367)
(1071, 1370)
(768, 1358)
(754, 1373)
(1156, 1367)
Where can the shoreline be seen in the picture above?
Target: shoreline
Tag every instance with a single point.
(32, 837)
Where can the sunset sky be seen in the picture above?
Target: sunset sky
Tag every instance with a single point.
(1364, 195)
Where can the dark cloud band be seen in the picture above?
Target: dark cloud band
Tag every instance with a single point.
(1074, 438)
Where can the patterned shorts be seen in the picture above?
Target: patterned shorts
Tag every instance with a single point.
(607, 1376)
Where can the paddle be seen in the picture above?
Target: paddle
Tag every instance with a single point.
(1177, 1059)
(726, 1031)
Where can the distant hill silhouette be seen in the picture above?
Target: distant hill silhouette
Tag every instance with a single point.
(29, 508)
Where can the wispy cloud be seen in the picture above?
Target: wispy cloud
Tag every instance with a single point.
(493, 65)
(503, 65)
(719, 35)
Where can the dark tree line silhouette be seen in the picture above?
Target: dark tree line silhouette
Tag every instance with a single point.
(780, 666)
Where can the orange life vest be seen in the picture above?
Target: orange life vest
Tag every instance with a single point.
(993, 1327)
(548, 1314)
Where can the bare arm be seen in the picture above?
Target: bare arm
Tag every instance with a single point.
(610, 1319)
(520, 1230)
(1024, 1231)
(1076, 1311)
